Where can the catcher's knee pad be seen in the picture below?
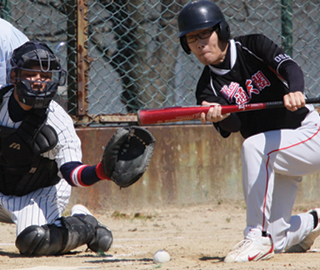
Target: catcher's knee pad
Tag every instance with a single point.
(85, 229)
(102, 239)
(40, 240)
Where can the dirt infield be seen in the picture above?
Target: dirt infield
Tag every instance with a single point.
(197, 237)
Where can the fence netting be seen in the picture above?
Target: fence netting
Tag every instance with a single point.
(124, 55)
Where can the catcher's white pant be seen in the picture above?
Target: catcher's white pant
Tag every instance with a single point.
(39, 207)
(273, 165)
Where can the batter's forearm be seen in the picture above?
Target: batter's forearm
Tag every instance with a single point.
(293, 75)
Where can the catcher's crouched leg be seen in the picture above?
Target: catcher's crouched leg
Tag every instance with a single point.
(75, 231)
(102, 238)
(40, 240)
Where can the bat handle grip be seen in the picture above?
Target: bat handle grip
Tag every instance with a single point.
(278, 104)
(313, 100)
(273, 104)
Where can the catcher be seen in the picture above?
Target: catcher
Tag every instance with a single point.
(40, 159)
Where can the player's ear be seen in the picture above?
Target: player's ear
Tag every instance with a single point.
(12, 76)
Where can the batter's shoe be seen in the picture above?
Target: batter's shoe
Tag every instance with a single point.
(308, 241)
(253, 248)
(103, 238)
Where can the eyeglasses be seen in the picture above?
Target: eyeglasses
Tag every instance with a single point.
(202, 35)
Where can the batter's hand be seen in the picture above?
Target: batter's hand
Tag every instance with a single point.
(214, 114)
(294, 101)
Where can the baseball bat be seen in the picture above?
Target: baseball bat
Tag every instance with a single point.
(187, 113)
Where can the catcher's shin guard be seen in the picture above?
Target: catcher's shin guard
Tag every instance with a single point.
(40, 240)
(75, 231)
(98, 237)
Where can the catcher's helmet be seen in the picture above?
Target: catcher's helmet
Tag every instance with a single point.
(200, 15)
(36, 54)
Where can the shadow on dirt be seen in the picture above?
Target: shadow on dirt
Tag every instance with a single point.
(214, 259)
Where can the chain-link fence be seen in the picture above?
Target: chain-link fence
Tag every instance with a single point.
(124, 55)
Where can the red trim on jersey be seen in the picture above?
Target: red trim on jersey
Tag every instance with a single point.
(267, 182)
(77, 174)
(100, 172)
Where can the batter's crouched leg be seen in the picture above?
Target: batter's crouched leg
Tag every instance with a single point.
(75, 231)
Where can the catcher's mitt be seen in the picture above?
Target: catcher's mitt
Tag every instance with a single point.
(127, 155)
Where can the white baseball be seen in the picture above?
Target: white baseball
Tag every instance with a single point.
(161, 256)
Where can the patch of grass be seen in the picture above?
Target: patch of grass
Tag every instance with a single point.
(66, 213)
(141, 216)
(117, 214)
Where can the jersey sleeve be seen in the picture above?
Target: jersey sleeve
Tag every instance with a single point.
(67, 153)
(276, 58)
(68, 147)
(82, 175)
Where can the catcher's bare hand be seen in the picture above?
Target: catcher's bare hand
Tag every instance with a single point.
(294, 101)
(214, 114)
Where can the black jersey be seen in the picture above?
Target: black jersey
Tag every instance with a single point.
(255, 70)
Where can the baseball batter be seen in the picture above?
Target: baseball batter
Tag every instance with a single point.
(281, 145)
(40, 159)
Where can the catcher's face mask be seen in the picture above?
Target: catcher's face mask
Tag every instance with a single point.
(36, 74)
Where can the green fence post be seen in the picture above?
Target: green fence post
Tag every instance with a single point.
(286, 26)
(5, 10)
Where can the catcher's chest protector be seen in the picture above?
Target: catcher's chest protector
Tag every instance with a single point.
(22, 168)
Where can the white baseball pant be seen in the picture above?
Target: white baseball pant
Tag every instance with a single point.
(39, 207)
(273, 165)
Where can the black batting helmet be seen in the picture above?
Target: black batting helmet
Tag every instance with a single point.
(36, 54)
(200, 15)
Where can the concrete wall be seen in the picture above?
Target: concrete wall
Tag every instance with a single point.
(191, 164)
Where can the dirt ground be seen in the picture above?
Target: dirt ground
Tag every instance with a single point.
(197, 237)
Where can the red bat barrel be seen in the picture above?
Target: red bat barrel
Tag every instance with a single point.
(169, 114)
(177, 114)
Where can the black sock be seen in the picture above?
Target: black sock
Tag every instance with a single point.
(315, 218)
